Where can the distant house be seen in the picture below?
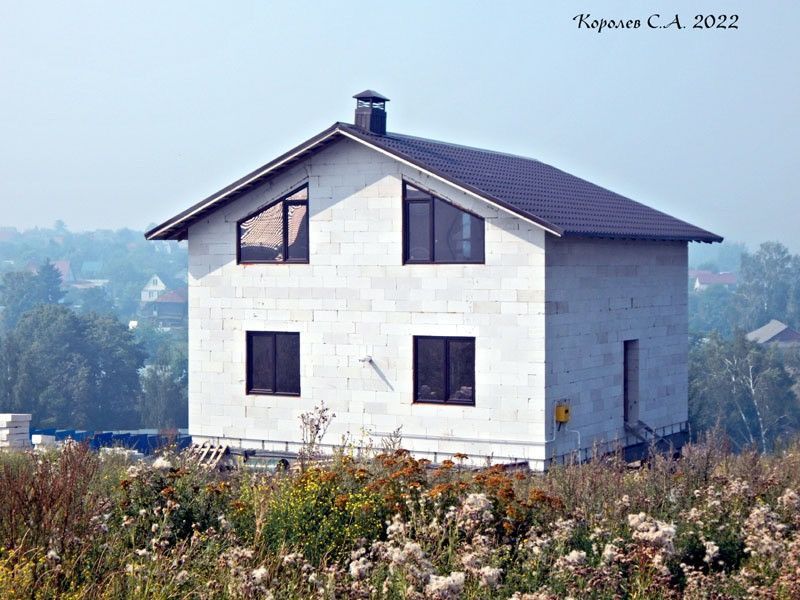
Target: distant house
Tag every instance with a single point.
(65, 269)
(706, 279)
(477, 301)
(169, 309)
(775, 333)
(153, 289)
(90, 269)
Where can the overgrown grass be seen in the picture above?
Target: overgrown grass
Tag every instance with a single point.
(710, 525)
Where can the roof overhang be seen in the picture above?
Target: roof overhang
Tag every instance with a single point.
(177, 227)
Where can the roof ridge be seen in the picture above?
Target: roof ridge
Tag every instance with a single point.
(463, 146)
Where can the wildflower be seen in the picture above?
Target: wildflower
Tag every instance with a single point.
(653, 532)
(489, 576)
(162, 463)
(127, 521)
(142, 552)
(573, 559)
(790, 500)
(154, 527)
(763, 532)
(472, 561)
(53, 556)
(445, 588)
(712, 550)
(475, 511)
(181, 577)
(292, 558)
(142, 512)
(395, 528)
(359, 569)
(610, 554)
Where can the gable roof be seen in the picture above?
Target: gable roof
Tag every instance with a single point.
(65, 270)
(558, 202)
(773, 330)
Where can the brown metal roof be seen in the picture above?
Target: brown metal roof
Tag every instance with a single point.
(561, 203)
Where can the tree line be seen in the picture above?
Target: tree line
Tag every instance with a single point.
(749, 390)
(85, 369)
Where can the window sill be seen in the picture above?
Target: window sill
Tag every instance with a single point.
(273, 262)
(446, 402)
(437, 262)
(268, 393)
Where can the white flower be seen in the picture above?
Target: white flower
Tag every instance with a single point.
(259, 574)
(712, 550)
(653, 532)
(489, 576)
(445, 588)
(790, 500)
(576, 557)
(162, 463)
(610, 554)
(53, 555)
(359, 569)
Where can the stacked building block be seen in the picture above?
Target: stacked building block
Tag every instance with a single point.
(15, 430)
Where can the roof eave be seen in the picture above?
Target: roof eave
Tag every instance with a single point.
(705, 237)
(177, 227)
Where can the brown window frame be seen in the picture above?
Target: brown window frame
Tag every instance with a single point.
(249, 389)
(446, 400)
(286, 203)
(431, 202)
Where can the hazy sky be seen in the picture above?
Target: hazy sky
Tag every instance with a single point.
(120, 114)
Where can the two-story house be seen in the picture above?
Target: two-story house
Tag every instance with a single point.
(478, 301)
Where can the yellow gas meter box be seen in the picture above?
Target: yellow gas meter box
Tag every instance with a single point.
(562, 413)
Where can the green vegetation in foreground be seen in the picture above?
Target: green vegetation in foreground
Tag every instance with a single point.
(77, 525)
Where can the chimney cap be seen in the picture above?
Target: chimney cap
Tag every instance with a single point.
(371, 95)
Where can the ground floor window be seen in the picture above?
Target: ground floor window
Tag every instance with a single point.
(273, 363)
(444, 370)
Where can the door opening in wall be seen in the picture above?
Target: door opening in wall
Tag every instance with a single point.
(631, 381)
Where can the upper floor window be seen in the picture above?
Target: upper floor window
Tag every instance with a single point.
(277, 233)
(435, 231)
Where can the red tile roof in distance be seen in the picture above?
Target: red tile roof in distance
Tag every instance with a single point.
(173, 296)
(565, 204)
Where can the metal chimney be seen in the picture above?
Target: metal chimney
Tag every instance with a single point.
(371, 111)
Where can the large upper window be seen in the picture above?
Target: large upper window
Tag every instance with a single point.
(444, 370)
(273, 363)
(277, 233)
(435, 231)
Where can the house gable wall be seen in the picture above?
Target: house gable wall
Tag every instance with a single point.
(600, 293)
(354, 299)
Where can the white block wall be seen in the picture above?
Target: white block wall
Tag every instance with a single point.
(600, 293)
(356, 298)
